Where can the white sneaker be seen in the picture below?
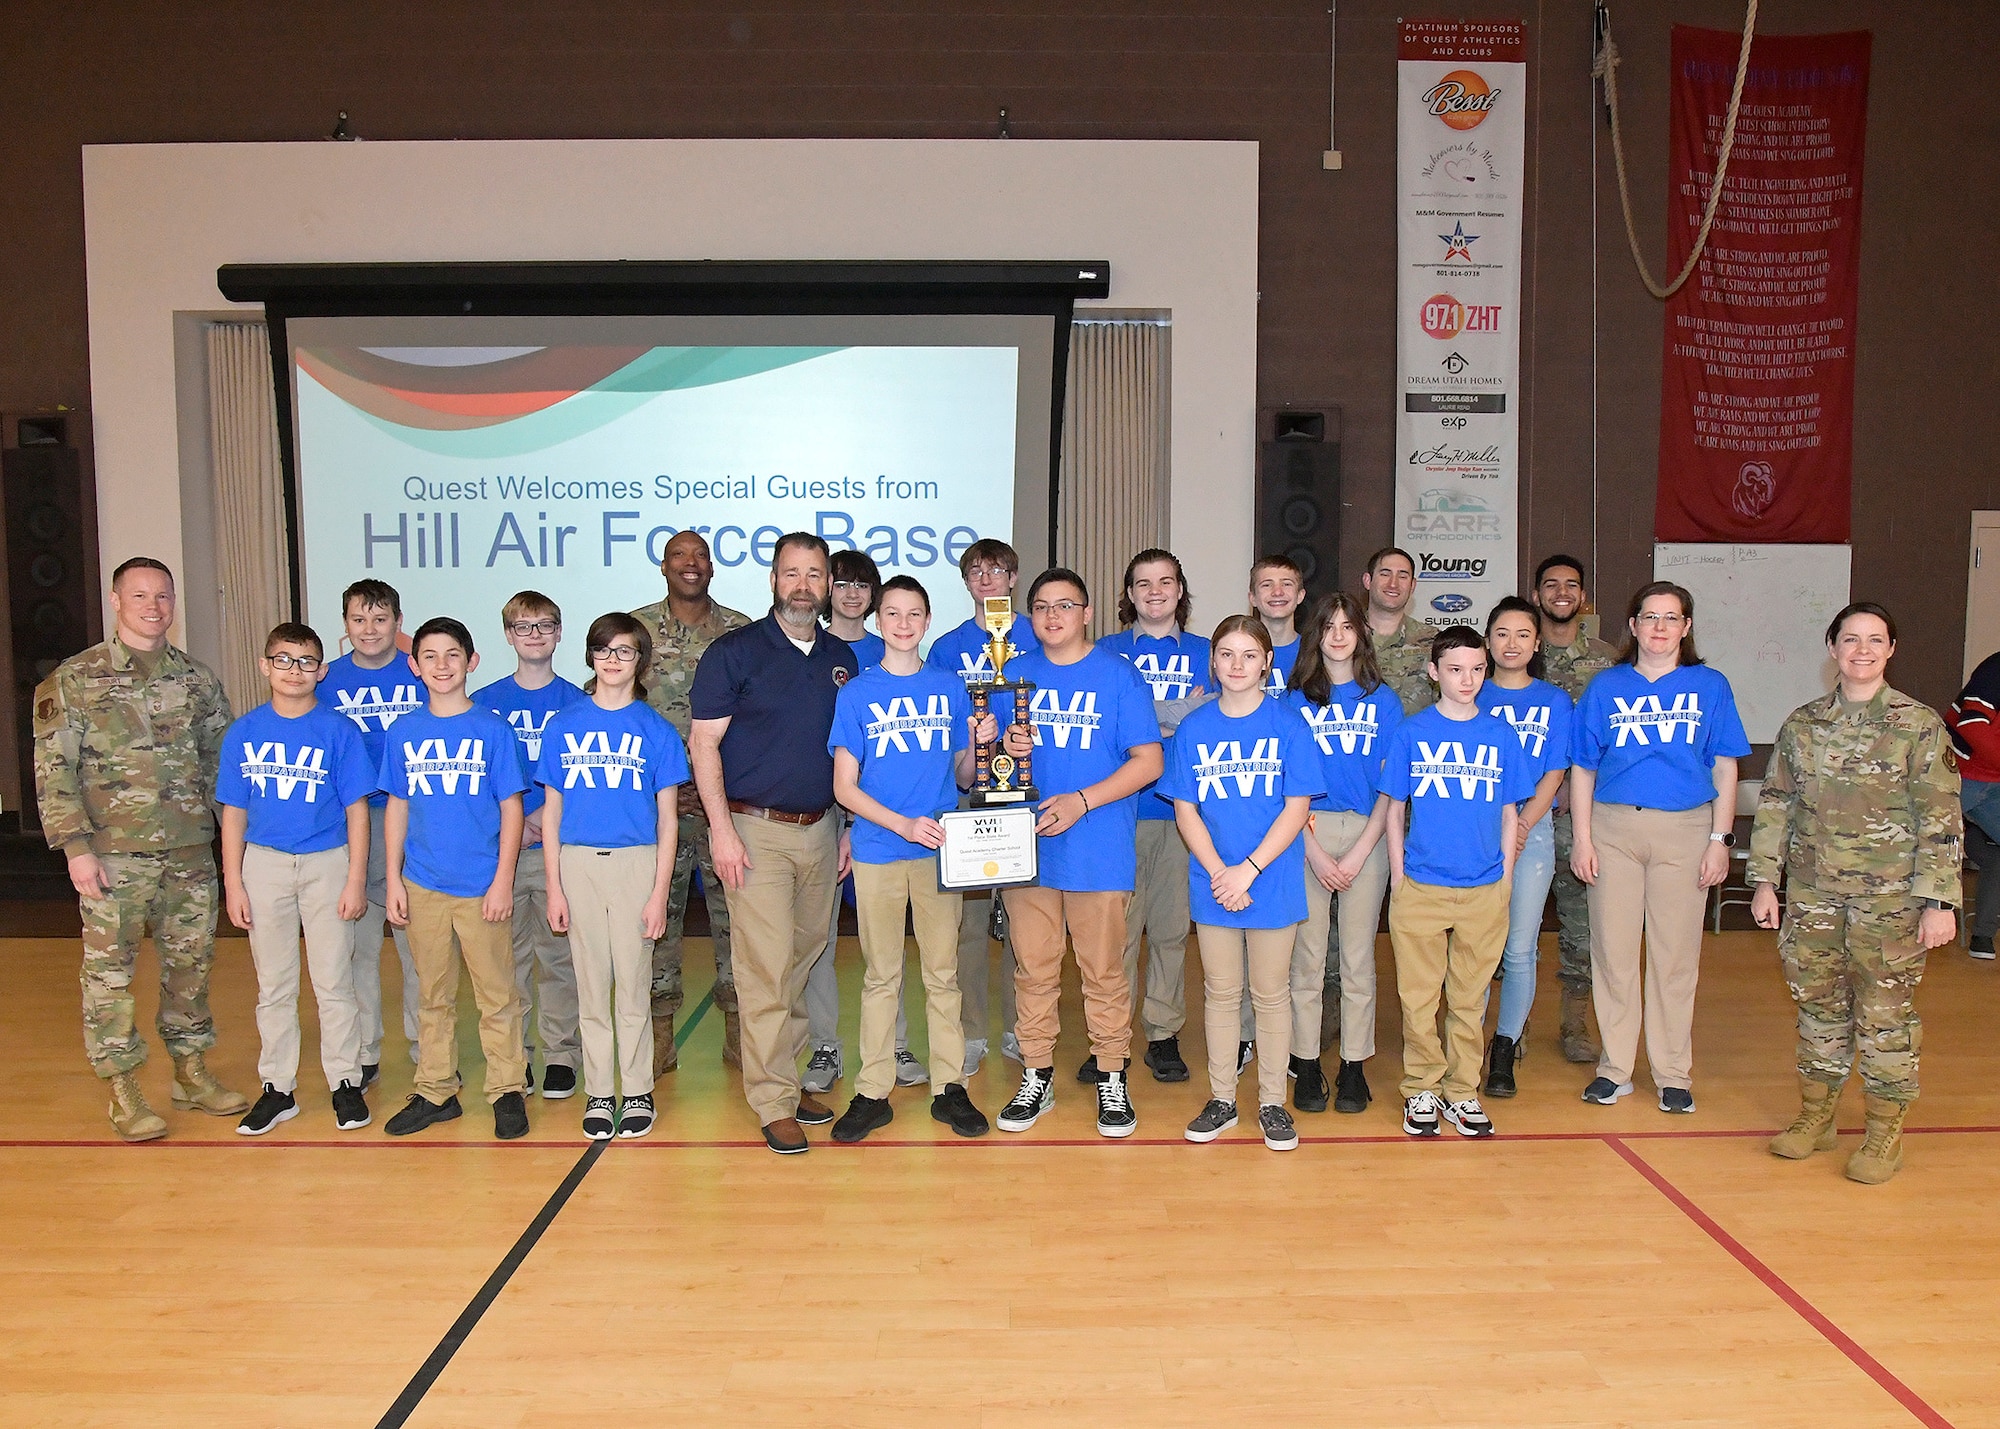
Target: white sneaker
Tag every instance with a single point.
(909, 1071)
(1469, 1118)
(975, 1053)
(822, 1071)
(1421, 1113)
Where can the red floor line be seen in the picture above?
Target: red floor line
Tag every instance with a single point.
(1777, 1285)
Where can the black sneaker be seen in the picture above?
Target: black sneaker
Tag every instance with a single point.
(955, 1109)
(1037, 1095)
(1211, 1121)
(350, 1108)
(1678, 1100)
(510, 1117)
(417, 1113)
(1309, 1089)
(1604, 1091)
(1422, 1114)
(1500, 1067)
(558, 1082)
(272, 1107)
(863, 1115)
(1164, 1057)
(1279, 1132)
(600, 1118)
(371, 1072)
(635, 1117)
(1980, 946)
(1087, 1073)
(1246, 1053)
(1350, 1089)
(1115, 1116)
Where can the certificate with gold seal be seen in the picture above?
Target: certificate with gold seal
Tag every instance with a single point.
(992, 847)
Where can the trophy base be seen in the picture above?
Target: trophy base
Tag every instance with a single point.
(987, 798)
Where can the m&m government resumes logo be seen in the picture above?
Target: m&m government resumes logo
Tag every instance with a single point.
(1462, 99)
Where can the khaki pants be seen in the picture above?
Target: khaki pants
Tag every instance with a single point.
(1267, 952)
(1447, 939)
(607, 890)
(1096, 925)
(366, 931)
(1159, 911)
(975, 970)
(1648, 871)
(881, 892)
(290, 894)
(1360, 910)
(542, 965)
(445, 934)
(777, 927)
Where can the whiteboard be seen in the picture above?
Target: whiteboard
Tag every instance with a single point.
(1760, 617)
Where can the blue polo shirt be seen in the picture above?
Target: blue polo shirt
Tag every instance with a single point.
(1173, 667)
(294, 777)
(529, 711)
(610, 766)
(903, 731)
(1654, 743)
(374, 700)
(1351, 732)
(963, 651)
(1283, 657)
(1087, 719)
(455, 771)
(779, 704)
(1541, 715)
(1459, 776)
(1238, 772)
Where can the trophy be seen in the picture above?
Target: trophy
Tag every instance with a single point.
(998, 776)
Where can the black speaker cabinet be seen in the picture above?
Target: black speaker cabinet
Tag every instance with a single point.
(1298, 491)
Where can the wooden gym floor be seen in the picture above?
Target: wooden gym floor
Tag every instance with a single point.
(1590, 1266)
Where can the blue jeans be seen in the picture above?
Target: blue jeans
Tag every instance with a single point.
(1981, 801)
(1534, 870)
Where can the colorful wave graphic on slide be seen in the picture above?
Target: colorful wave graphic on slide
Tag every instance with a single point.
(497, 402)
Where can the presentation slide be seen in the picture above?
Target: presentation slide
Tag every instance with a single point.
(461, 468)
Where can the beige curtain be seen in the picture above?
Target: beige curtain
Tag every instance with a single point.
(249, 503)
(1113, 497)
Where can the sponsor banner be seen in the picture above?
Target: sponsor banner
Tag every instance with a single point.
(1460, 127)
(1757, 389)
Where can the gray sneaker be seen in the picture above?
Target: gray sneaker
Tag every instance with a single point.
(909, 1071)
(975, 1053)
(1010, 1047)
(822, 1071)
(1215, 1118)
(1279, 1133)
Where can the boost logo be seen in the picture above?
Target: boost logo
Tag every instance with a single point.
(1461, 99)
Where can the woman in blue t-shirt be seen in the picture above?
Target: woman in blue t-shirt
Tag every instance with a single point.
(1540, 714)
(613, 768)
(1654, 801)
(1351, 715)
(1242, 772)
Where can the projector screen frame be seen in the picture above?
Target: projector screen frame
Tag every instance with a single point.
(704, 288)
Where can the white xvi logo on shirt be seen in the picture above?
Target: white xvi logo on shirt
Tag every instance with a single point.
(1216, 762)
(1532, 724)
(973, 664)
(900, 720)
(428, 757)
(1080, 714)
(1171, 679)
(1632, 718)
(584, 756)
(365, 702)
(268, 763)
(528, 729)
(1446, 759)
(1334, 722)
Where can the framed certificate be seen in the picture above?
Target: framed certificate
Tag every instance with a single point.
(993, 847)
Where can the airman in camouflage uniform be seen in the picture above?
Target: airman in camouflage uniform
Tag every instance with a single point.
(128, 737)
(683, 626)
(1403, 657)
(1860, 813)
(1570, 668)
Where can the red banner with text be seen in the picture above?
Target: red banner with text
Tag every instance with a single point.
(1757, 387)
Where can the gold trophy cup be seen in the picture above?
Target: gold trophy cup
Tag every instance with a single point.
(998, 777)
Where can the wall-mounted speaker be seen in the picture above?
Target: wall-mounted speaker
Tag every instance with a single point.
(1298, 491)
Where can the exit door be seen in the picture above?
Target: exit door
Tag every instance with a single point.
(1982, 591)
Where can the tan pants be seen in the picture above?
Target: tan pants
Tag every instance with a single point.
(1360, 910)
(1268, 954)
(445, 934)
(777, 923)
(1449, 940)
(291, 893)
(542, 965)
(1159, 911)
(1096, 925)
(1648, 884)
(881, 892)
(607, 889)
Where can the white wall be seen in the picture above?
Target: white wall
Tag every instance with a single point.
(1177, 220)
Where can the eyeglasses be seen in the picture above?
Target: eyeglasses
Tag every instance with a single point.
(535, 627)
(854, 585)
(622, 654)
(1054, 607)
(282, 661)
(971, 571)
(1663, 619)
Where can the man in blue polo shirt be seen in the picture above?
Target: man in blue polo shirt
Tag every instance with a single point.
(763, 702)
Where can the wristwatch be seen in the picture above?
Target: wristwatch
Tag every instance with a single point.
(1726, 840)
(1936, 905)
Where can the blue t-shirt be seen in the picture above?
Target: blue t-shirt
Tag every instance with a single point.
(1542, 715)
(963, 651)
(1654, 743)
(374, 700)
(455, 771)
(1283, 657)
(779, 704)
(1087, 719)
(294, 778)
(610, 766)
(1459, 776)
(1174, 667)
(903, 730)
(867, 650)
(1238, 773)
(529, 711)
(1351, 731)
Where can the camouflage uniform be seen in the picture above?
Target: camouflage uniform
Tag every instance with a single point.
(1860, 812)
(677, 649)
(1402, 659)
(1570, 668)
(124, 764)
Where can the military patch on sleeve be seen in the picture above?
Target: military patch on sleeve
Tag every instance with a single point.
(840, 674)
(45, 708)
(1951, 758)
